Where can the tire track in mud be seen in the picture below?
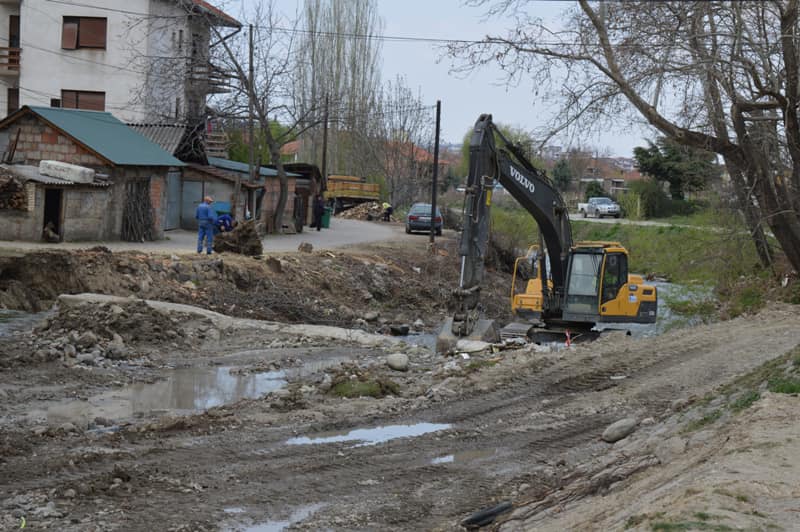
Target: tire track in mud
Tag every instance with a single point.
(529, 416)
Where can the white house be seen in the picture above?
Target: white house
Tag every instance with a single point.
(141, 60)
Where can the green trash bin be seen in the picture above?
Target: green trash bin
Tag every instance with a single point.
(326, 218)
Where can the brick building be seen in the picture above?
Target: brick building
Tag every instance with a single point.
(128, 168)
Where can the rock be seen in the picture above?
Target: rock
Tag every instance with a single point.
(670, 449)
(116, 310)
(39, 431)
(189, 284)
(679, 404)
(67, 428)
(70, 351)
(70, 494)
(117, 340)
(42, 326)
(48, 511)
(326, 384)
(86, 358)
(87, 339)
(397, 361)
(619, 430)
(418, 324)
(305, 247)
(648, 421)
(103, 422)
(399, 330)
(472, 346)
(174, 257)
(371, 315)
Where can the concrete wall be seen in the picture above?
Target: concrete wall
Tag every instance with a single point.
(85, 215)
(197, 185)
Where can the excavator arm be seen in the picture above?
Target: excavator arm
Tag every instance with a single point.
(489, 165)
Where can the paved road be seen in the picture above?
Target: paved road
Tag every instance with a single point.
(343, 233)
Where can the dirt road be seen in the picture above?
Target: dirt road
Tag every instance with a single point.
(118, 415)
(342, 234)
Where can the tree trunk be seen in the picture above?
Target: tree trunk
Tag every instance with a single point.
(283, 195)
(745, 201)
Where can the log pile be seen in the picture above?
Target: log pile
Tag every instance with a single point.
(12, 194)
(364, 211)
(243, 239)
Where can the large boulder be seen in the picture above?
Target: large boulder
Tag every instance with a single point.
(397, 361)
(619, 430)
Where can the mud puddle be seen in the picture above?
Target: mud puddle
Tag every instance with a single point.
(297, 516)
(184, 391)
(372, 436)
(12, 321)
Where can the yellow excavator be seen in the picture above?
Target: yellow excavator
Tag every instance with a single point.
(558, 285)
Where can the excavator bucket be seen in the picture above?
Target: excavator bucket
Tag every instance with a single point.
(484, 331)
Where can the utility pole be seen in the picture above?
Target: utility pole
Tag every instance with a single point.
(434, 184)
(237, 189)
(324, 183)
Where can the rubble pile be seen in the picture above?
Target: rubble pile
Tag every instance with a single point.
(12, 194)
(365, 211)
(244, 239)
(87, 334)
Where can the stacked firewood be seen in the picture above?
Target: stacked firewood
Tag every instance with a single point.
(12, 194)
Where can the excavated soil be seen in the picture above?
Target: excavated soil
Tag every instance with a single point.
(419, 448)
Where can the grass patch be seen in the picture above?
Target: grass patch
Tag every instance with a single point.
(703, 421)
(366, 388)
(745, 401)
(705, 309)
(784, 385)
(477, 365)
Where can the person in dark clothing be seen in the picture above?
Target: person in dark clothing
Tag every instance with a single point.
(225, 223)
(318, 211)
(206, 217)
(387, 212)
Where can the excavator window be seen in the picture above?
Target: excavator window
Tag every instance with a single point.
(615, 275)
(582, 290)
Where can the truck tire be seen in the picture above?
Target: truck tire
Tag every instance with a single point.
(616, 215)
(408, 230)
(583, 213)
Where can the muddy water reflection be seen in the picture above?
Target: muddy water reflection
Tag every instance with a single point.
(298, 515)
(185, 390)
(372, 436)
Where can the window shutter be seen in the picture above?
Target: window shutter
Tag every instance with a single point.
(92, 101)
(69, 99)
(69, 33)
(92, 33)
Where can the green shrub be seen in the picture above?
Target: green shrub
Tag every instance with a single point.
(593, 190)
(654, 201)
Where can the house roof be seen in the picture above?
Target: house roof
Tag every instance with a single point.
(214, 12)
(223, 175)
(243, 168)
(168, 136)
(102, 134)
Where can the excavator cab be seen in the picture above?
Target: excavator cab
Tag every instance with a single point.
(600, 289)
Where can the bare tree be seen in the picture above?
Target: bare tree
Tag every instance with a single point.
(270, 92)
(338, 59)
(720, 76)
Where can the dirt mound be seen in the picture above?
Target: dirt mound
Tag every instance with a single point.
(244, 239)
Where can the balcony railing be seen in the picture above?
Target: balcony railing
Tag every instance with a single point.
(10, 61)
(210, 78)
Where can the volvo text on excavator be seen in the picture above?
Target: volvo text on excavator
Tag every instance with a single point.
(571, 286)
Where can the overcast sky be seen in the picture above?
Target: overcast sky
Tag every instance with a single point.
(465, 98)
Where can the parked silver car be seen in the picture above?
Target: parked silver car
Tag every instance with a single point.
(419, 218)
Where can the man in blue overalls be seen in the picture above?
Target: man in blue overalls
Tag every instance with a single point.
(206, 217)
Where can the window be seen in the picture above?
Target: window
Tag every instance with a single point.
(83, 32)
(13, 100)
(615, 275)
(55, 102)
(89, 100)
